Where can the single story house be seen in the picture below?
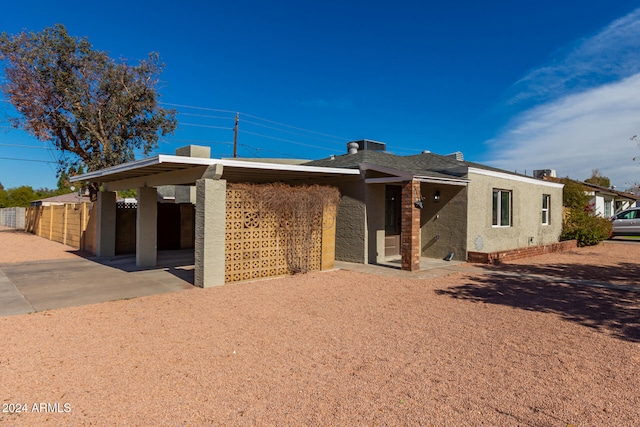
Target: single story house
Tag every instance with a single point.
(428, 205)
(424, 205)
(606, 201)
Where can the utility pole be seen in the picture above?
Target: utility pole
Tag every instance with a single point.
(235, 138)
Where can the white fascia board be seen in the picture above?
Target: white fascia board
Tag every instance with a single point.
(286, 167)
(202, 161)
(446, 181)
(504, 175)
(92, 176)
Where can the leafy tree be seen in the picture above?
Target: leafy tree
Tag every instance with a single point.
(573, 195)
(64, 186)
(3, 197)
(96, 110)
(598, 179)
(130, 193)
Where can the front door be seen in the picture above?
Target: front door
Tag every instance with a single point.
(393, 198)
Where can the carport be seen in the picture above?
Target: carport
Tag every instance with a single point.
(203, 180)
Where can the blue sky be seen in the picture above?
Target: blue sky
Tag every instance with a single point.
(517, 85)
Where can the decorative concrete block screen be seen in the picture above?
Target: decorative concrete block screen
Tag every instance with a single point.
(257, 247)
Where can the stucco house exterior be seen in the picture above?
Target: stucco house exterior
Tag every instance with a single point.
(428, 205)
(605, 201)
(405, 207)
(202, 194)
(608, 201)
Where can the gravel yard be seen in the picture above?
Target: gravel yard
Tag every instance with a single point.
(508, 347)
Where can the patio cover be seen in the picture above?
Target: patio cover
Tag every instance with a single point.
(182, 170)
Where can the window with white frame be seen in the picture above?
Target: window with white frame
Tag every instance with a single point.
(501, 208)
(607, 208)
(546, 202)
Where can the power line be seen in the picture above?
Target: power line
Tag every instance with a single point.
(198, 108)
(287, 131)
(294, 127)
(285, 140)
(27, 160)
(24, 146)
(205, 115)
(257, 118)
(206, 126)
(199, 141)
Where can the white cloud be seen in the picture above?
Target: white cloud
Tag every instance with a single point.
(609, 55)
(576, 134)
(589, 108)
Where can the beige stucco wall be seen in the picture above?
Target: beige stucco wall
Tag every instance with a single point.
(526, 228)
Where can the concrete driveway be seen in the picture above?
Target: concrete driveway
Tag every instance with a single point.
(33, 286)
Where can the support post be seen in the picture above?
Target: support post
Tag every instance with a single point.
(410, 227)
(209, 250)
(106, 236)
(147, 227)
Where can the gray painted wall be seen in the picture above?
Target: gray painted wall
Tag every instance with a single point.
(13, 217)
(351, 232)
(526, 228)
(443, 224)
(375, 202)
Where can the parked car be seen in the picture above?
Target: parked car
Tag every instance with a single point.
(626, 223)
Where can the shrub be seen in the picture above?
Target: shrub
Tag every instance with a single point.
(586, 228)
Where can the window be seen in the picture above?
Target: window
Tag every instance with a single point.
(633, 214)
(502, 208)
(546, 202)
(607, 208)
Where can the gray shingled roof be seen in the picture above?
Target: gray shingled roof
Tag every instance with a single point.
(423, 164)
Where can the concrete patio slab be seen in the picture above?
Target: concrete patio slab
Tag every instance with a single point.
(45, 285)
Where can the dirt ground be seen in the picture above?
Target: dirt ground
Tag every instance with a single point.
(538, 342)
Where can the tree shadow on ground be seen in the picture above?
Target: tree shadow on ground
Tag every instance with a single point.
(573, 292)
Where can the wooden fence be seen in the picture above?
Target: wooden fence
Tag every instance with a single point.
(69, 224)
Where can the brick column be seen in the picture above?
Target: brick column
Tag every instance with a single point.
(410, 227)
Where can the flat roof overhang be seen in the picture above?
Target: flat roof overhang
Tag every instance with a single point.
(398, 176)
(181, 170)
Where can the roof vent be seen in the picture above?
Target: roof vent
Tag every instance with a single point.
(542, 173)
(457, 155)
(367, 144)
(352, 147)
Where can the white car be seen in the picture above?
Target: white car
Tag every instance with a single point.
(626, 223)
